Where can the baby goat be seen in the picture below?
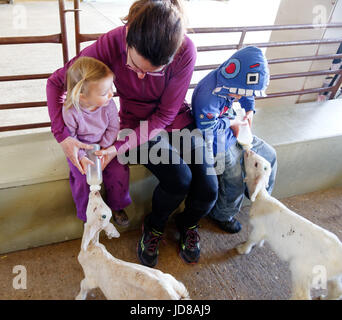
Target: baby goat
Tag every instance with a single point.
(116, 278)
(307, 247)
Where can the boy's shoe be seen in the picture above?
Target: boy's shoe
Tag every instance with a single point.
(147, 247)
(231, 226)
(120, 218)
(190, 249)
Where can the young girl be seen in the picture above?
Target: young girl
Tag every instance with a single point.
(91, 116)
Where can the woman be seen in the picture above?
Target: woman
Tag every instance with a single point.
(152, 60)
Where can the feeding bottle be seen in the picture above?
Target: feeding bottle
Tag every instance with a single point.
(245, 137)
(94, 172)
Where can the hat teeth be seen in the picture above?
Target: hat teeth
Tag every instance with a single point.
(232, 90)
(241, 91)
(257, 93)
(263, 93)
(216, 90)
(249, 93)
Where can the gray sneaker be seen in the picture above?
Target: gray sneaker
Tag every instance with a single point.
(147, 246)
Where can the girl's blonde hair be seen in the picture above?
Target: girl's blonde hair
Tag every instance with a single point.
(83, 71)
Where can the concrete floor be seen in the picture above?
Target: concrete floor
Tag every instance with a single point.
(53, 271)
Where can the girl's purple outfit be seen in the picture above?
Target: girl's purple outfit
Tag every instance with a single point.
(100, 126)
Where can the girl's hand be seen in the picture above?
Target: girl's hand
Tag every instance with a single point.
(249, 117)
(106, 155)
(235, 125)
(84, 163)
(70, 148)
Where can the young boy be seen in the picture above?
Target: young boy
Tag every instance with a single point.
(242, 77)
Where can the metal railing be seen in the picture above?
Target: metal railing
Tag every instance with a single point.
(79, 38)
(243, 30)
(60, 38)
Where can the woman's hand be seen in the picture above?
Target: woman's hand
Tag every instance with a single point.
(70, 148)
(106, 155)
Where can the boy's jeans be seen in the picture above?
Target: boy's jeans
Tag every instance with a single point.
(231, 185)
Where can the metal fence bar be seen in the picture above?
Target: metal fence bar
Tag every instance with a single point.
(25, 77)
(304, 74)
(336, 87)
(280, 60)
(264, 28)
(77, 26)
(270, 44)
(25, 126)
(305, 58)
(296, 93)
(60, 38)
(64, 38)
(53, 38)
(23, 105)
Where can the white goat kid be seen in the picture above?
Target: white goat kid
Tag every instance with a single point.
(306, 246)
(118, 279)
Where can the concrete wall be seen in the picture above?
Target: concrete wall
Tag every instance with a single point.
(36, 206)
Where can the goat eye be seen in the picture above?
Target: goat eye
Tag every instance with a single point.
(256, 164)
(265, 168)
(104, 217)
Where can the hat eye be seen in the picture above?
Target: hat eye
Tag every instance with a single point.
(231, 69)
(252, 78)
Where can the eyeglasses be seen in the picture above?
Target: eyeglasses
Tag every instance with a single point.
(158, 73)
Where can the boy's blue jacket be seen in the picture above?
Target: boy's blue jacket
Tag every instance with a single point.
(244, 73)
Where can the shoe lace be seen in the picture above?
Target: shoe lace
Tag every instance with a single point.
(192, 238)
(153, 241)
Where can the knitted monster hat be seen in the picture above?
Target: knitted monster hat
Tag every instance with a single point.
(245, 73)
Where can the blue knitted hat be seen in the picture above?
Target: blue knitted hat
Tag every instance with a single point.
(245, 73)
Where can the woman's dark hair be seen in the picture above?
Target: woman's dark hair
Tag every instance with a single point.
(155, 29)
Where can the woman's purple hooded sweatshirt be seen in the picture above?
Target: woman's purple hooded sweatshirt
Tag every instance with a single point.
(157, 100)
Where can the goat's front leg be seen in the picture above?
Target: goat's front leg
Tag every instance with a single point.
(246, 247)
(334, 289)
(300, 285)
(254, 238)
(300, 291)
(84, 290)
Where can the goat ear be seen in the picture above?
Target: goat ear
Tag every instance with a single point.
(88, 235)
(257, 186)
